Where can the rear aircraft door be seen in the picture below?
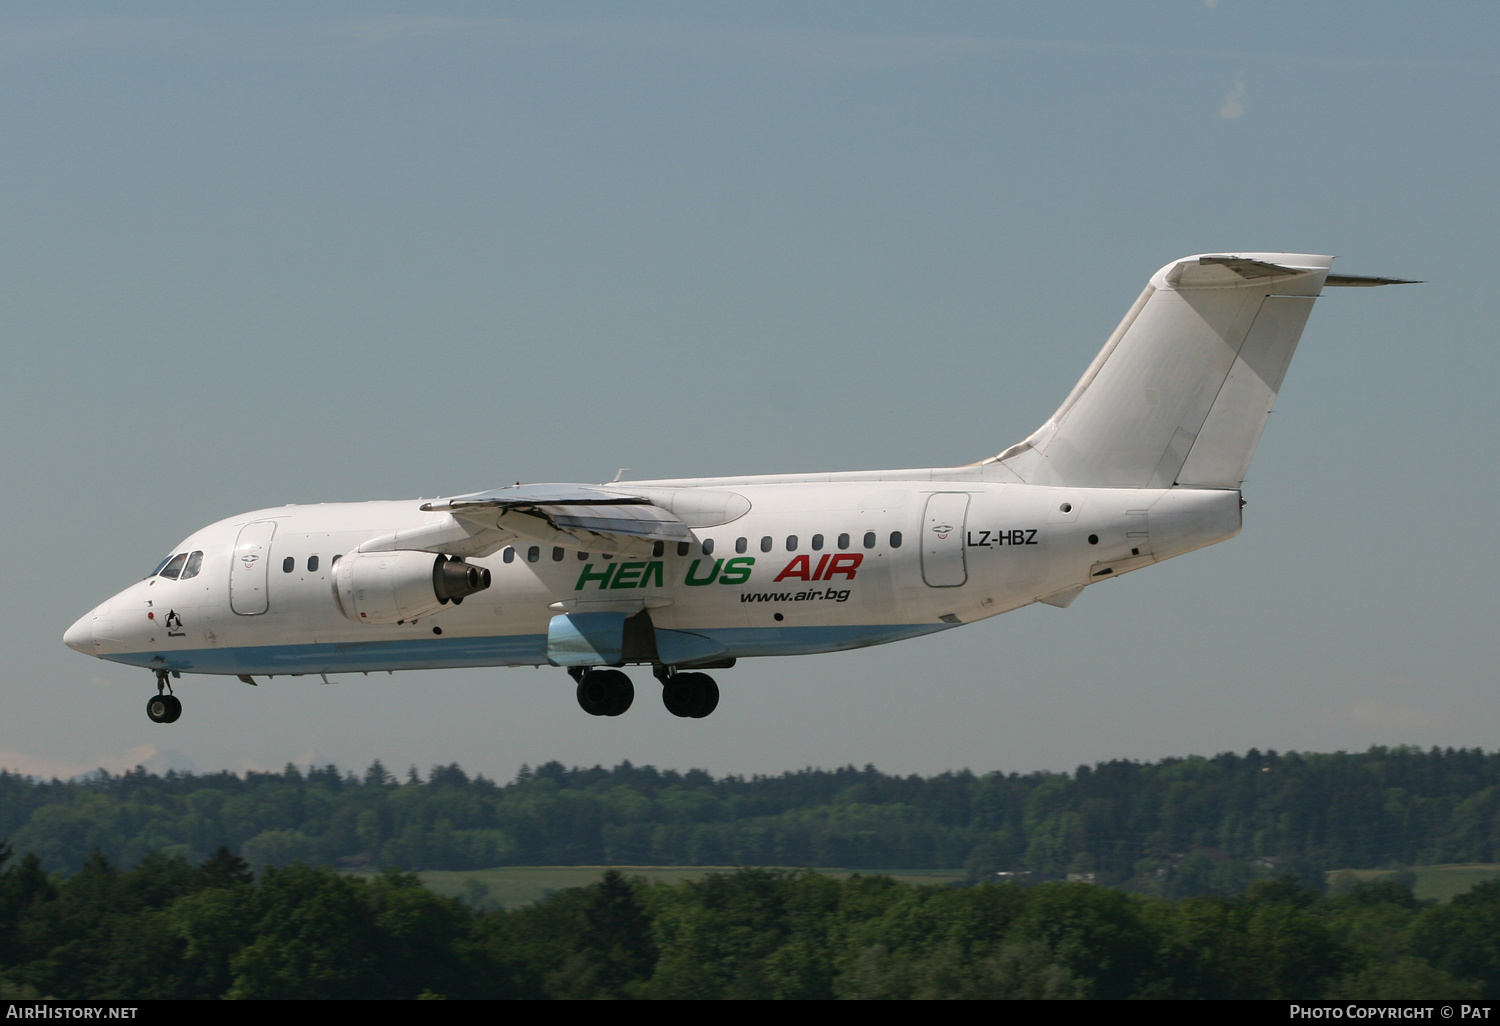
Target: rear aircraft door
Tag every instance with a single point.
(943, 540)
(249, 568)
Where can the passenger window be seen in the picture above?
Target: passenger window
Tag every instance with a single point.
(174, 566)
(682, 548)
(843, 541)
(708, 546)
(288, 565)
(533, 554)
(194, 564)
(741, 544)
(817, 543)
(895, 539)
(869, 539)
(765, 544)
(312, 564)
(509, 555)
(657, 548)
(557, 553)
(791, 543)
(582, 556)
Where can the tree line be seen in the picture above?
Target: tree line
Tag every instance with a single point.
(1175, 827)
(172, 929)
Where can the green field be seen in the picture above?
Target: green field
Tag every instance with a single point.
(512, 886)
(1434, 883)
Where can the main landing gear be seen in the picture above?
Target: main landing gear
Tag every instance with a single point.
(164, 707)
(606, 692)
(690, 695)
(603, 692)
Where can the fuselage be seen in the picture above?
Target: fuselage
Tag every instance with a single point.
(1142, 461)
(794, 565)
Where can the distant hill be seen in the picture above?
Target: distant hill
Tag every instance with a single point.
(1176, 827)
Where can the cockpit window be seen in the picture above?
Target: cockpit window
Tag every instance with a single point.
(173, 567)
(158, 569)
(194, 564)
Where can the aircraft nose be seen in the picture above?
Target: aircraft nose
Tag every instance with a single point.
(80, 636)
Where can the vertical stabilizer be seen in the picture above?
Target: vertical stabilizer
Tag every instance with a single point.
(1181, 391)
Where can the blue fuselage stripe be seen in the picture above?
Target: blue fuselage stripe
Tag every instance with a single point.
(506, 650)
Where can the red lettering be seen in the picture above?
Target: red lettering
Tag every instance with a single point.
(844, 563)
(818, 573)
(799, 568)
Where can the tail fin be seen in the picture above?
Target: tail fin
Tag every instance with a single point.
(1181, 391)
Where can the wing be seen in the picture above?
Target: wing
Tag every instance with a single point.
(577, 516)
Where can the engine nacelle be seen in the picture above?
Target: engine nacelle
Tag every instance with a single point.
(389, 587)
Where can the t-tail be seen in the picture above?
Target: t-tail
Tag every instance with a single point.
(1181, 392)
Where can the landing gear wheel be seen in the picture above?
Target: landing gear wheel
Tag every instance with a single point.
(164, 708)
(692, 695)
(605, 692)
(679, 695)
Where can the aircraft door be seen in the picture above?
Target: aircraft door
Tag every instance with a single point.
(943, 540)
(249, 569)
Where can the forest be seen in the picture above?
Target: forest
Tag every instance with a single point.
(1173, 828)
(301, 883)
(171, 929)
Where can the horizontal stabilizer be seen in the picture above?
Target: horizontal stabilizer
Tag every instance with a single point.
(1209, 272)
(1359, 281)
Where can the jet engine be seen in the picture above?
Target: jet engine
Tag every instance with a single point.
(389, 587)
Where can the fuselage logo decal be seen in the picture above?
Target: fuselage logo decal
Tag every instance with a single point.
(700, 572)
(652, 574)
(801, 568)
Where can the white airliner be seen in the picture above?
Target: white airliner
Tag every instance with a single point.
(1143, 461)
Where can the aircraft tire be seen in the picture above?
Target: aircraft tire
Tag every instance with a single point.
(164, 708)
(622, 692)
(605, 693)
(678, 694)
(708, 697)
(690, 695)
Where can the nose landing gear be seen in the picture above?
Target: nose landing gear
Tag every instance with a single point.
(164, 707)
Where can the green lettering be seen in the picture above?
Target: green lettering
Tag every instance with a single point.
(737, 570)
(627, 576)
(589, 575)
(694, 583)
(653, 567)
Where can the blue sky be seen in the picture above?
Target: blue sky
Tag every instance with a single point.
(258, 254)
